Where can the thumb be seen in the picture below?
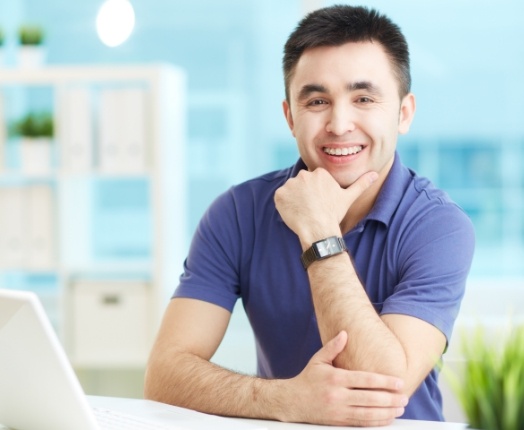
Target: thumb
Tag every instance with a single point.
(330, 350)
(361, 185)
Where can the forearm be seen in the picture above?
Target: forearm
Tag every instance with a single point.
(179, 373)
(315, 207)
(341, 303)
(192, 382)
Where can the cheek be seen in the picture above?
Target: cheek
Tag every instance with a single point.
(383, 129)
(305, 130)
(305, 139)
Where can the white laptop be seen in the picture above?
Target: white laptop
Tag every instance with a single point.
(39, 389)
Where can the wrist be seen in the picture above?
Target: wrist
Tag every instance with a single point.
(309, 237)
(322, 249)
(271, 399)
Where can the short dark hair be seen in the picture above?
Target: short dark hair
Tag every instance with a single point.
(340, 24)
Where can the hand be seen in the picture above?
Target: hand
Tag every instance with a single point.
(313, 204)
(324, 394)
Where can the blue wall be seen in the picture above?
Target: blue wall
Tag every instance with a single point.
(467, 65)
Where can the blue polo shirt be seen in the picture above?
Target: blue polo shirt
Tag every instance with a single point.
(412, 253)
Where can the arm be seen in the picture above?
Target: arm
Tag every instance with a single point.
(179, 373)
(314, 206)
(398, 345)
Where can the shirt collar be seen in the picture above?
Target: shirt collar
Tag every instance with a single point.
(299, 165)
(391, 193)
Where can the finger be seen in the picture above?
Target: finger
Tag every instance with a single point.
(374, 398)
(372, 417)
(330, 350)
(362, 416)
(372, 381)
(361, 185)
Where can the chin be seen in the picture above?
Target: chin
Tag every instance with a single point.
(348, 178)
(345, 182)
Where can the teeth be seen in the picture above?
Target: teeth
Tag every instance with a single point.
(343, 151)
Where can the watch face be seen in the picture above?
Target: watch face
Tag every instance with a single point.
(327, 247)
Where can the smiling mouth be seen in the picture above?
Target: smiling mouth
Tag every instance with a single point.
(343, 151)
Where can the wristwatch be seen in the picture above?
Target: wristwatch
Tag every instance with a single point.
(322, 249)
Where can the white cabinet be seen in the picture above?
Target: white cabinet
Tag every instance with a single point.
(117, 170)
(110, 323)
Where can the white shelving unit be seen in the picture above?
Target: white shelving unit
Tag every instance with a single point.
(110, 306)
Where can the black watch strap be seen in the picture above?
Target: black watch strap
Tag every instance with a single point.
(322, 249)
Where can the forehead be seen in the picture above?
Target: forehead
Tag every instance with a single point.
(350, 62)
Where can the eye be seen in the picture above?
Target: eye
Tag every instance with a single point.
(317, 102)
(317, 105)
(364, 100)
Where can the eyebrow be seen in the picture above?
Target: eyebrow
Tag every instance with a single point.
(308, 89)
(363, 85)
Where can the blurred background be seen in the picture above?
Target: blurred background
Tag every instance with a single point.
(468, 135)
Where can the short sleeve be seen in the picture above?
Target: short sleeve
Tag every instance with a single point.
(434, 262)
(211, 267)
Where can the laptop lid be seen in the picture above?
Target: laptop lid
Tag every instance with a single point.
(40, 391)
(38, 387)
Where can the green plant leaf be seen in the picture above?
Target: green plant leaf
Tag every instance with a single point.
(34, 125)
(30, 35)
(490, 388)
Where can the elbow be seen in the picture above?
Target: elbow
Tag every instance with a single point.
(156, 387)
(151, 391)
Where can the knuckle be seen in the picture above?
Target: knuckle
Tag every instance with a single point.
(366, 414)
(334, 378)
(366, 379)
(360, 397)
(301, 175)
(330, 397)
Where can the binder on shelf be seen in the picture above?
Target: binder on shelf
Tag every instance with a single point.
(41, 227)
(76, 130)
(109, 130)
(133, 156)
(13, 227)
(123, 131)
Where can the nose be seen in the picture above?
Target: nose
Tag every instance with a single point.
(340, 120)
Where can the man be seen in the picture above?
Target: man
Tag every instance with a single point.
(343, 338)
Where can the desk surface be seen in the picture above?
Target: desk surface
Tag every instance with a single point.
(134, 406)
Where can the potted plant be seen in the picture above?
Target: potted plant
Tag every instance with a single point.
(490, 386)
(36, 131)
(31, 52)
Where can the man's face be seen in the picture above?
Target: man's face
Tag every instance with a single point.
(345, 111)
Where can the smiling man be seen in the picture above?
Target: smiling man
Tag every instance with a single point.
(350, 266)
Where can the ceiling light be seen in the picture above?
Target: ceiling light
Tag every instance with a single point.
(115, 22)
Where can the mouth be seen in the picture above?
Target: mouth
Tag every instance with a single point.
(340, 152)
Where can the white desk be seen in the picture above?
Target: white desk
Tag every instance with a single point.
(143, 408)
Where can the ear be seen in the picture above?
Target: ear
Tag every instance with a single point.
(289, 117)
(407, 112)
